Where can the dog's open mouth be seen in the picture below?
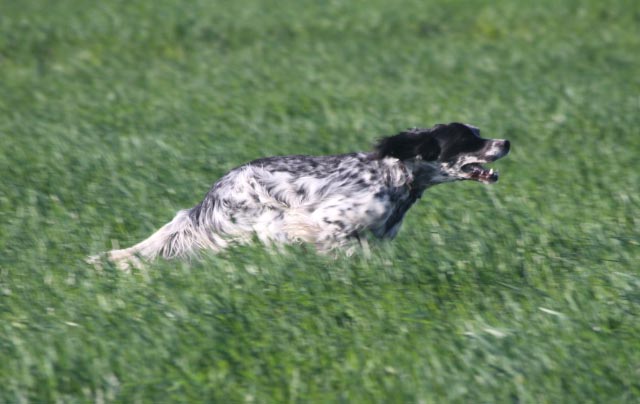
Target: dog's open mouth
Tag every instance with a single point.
(477, 172)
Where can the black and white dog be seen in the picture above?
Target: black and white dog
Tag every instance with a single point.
(330, 201)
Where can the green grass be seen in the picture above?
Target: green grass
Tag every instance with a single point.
(116, 114)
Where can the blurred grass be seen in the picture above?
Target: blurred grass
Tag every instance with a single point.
(115, 115)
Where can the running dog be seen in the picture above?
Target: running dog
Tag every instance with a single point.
(329, 201)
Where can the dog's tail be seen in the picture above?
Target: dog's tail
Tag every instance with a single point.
(181, 237)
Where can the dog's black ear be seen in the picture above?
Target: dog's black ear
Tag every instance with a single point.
(408, 145)
(430, 149)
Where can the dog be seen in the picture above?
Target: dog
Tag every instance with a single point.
(331, 202)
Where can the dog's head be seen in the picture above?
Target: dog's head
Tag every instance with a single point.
(446, 152)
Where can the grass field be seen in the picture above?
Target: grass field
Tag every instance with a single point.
(114, 115)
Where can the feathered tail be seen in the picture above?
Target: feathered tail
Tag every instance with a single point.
(181, 237)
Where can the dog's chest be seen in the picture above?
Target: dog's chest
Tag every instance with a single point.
(392, 204)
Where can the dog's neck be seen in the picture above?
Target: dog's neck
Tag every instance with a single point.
(424, 174)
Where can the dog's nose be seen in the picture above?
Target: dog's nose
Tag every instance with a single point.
(507, 146)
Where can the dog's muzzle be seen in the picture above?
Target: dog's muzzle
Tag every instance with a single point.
(476, 171)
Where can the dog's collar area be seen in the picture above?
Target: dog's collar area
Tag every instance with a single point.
(415, 192)
(409, 175)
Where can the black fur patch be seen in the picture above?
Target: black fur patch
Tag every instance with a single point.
(409, 144)
(457, 139)
(443, 142)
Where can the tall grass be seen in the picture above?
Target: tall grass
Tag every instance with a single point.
(115, 115)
